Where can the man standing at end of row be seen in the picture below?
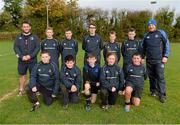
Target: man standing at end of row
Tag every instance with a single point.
(26, 47)
(156, 49)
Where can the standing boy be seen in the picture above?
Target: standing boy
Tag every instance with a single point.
(92, 43)
(91, 77)
(26, 47)
(135, 75)
(68, 46)
(112, 46)
(70, 76)
(44, 79)
(51, 45)
(129, 47)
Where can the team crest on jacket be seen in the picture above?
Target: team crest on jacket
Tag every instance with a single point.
(107, 71)
(66, 73)
(49, 71)
(20, 37)
(131, 70)
(88, 41)
(97, 41)
(54, 44)
(39, 70)
(45, 44)
(72, 44)
(127, 44)
(74, 75)
(32, 38)
(156, 36)
(148, 37)
(64, 44)
(141, 71)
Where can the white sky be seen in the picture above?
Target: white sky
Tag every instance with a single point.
(128, 4)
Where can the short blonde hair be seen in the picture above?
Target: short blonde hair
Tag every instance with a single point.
(49, 28)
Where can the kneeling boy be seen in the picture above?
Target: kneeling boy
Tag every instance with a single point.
(112, 80)
(44, 79)
(91, 74)
(135, 75)
(71, 81)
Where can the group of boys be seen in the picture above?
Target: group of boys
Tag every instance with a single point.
(109, 79)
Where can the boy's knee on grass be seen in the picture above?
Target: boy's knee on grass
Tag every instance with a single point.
(136, 101)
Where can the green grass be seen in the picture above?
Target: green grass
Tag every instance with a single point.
(16, 109)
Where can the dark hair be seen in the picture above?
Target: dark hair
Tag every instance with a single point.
(112, 33)
(131, 30)
(136, 54)
(92, 24)
(26, 22)
(69, 58)
(68, 29)
(90, 55)
(45, 52)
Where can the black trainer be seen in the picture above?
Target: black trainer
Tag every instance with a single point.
(153, 94)
(162, 99)
(88, 108)
(35, 107)
(105, 107)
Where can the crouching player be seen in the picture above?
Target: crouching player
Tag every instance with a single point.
(71, 81)
(112, 80)
(44, 79)
(135, 75)
(91, 74)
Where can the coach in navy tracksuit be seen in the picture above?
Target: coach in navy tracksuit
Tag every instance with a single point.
(156, 49)
(44, 79)
(26, 47)
(92, 43)
(68, 46)
(51, 45)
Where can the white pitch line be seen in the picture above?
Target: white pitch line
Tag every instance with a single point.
(9, 54)
(8, 95)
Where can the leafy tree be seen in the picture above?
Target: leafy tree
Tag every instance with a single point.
(14, 7)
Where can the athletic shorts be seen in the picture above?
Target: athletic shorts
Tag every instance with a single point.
(94, 89)
(137, 91)
(24, 66)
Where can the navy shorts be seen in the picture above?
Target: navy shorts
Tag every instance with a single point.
(24, 66)
(137, 91)
(94, 89)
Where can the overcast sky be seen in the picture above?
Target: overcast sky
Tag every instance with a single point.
(128, 4)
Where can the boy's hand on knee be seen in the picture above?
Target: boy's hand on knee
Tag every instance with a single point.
(87, 86)
(113, 89)
(34, 89)
(73, 88)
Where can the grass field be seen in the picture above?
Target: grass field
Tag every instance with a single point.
(16, 109)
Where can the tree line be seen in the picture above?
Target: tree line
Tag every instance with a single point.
(63, 14)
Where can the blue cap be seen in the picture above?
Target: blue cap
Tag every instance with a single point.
(152, 22)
